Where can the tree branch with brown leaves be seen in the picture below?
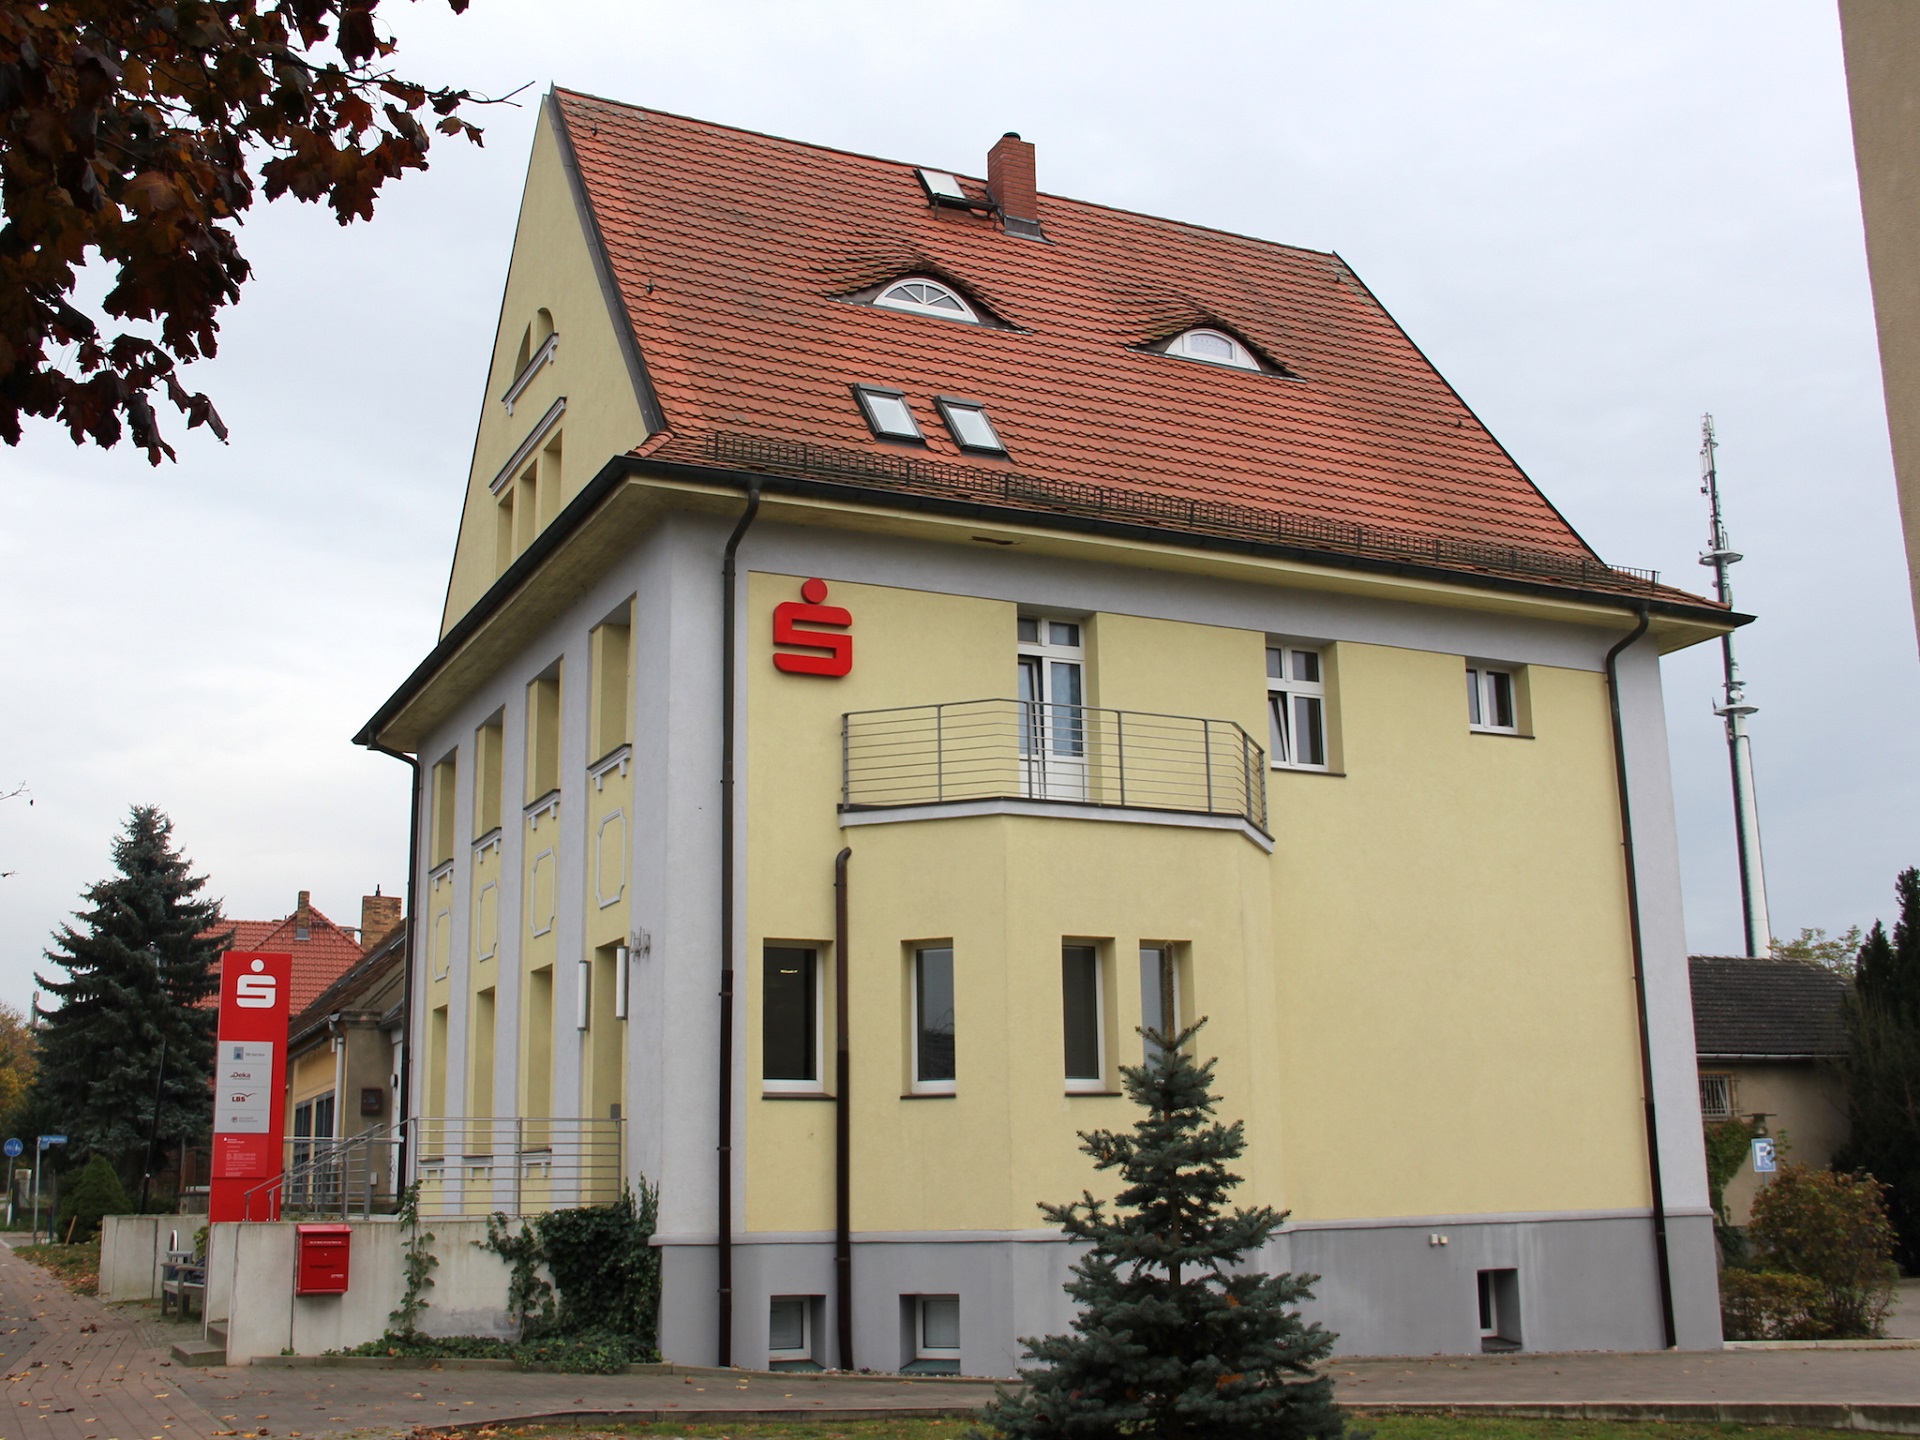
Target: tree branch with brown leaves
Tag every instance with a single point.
(135, 135)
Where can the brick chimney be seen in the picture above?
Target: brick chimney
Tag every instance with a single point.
(379, 914)
(303, 917)
(1010, 180)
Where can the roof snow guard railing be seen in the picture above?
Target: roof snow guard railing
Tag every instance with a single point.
(1162, 512)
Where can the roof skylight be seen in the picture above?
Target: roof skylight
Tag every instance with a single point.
(1214, 347)
(971, 428)
(887, 413)
(926, 297)
(941, 188)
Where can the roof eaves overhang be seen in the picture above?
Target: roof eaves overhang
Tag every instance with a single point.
(631, 493)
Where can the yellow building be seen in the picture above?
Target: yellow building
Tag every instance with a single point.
(928, 628)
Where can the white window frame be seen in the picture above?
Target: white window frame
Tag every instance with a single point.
(1725, 1086)
(805, 1352)
(1482, 691)
(1282, 734)
(931, 1087)
(949, 405)
(886, 300)
(1241, 358)
(1095, 1084)
(817, 1084)
(1053, 731)
(922, 1350)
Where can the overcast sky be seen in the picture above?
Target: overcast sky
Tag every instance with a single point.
(1598, 220)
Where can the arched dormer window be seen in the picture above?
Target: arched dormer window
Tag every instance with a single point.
(926, 297)
(1216, 347)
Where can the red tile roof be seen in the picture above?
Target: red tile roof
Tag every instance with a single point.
(733, 250)
(324, 956)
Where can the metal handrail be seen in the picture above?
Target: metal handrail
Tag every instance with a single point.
(1037, 750)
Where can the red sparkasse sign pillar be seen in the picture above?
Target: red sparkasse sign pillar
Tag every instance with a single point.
(250, 1085)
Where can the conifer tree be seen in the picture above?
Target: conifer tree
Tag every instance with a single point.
(1882, 1067)
(1171, 1339)
(138, 970)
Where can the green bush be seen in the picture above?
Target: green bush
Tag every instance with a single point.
(96, 1193)
(1833, 1230)
(1768, 1305)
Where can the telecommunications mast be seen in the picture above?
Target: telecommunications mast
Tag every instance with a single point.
(1735, 710)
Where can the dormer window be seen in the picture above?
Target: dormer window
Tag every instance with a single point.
(926, 297)
(1213, 346)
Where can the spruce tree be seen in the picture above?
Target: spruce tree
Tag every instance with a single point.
(1882, 1067)
(1172, 1340)
(138, 973)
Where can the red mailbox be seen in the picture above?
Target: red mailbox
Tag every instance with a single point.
(320, 1259)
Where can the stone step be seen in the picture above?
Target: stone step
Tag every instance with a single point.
(200, 1352)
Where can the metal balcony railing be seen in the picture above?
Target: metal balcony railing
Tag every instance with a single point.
(465, 1166)
(1027, 750)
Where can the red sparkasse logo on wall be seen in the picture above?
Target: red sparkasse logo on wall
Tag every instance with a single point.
(249, 1084)
(788, 618)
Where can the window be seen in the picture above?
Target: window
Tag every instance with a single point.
(1080, 1003)
(1214, 347)
(610, 644)
(488, 741)
(933, 1058)
(1159, 994)
(790, 1018)
(1296, 708)
(1716, 1097)
(1053, 741)
(442, 797)
(887, 413)
(937, 1329)
(926, 297)
(1490, 701)
(790, 1331)
(543, 735)
(971, 428)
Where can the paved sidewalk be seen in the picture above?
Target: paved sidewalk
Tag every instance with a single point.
(76, 1369)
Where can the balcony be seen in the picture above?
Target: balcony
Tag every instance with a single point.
(981, 754)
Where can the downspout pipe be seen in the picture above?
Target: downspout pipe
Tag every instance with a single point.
(728, 705)
(1662, 1258)
(842, 1120)
(408, 1050)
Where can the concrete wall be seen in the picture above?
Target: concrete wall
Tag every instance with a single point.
(250, 1281)
(131, 1249)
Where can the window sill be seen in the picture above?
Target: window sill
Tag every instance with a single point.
(929, 1095)
(1092, 1094)
(795, 1095)
(1307, 770)
(1497, 734)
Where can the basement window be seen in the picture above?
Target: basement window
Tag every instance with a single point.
(887, 413)
(972, 430)
(926, 297)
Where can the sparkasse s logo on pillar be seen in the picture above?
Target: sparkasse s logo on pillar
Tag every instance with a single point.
(255, 991)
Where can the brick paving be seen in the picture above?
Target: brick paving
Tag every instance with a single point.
(76, 1369)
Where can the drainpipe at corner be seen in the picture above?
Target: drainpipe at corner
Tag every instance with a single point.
(843, 1120)
(1662, 1259)
(407, 1048)
(728, 701)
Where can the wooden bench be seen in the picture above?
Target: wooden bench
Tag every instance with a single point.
(182, 1278)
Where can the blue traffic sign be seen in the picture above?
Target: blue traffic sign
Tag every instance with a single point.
(46, 1140)
(1764, 1155)
(13, 1149)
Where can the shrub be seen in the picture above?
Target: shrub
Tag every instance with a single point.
(1768, 1305)
(1832, 1229)
(96, 1193)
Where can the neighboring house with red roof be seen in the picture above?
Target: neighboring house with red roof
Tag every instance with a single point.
(322, 951)
(1140, 628)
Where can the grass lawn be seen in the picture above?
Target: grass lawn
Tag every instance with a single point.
(1381, 1427)
(77, 1265)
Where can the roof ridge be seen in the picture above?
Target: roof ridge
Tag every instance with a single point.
(961, 174)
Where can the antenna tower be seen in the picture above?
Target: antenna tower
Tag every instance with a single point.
(1734, 710)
